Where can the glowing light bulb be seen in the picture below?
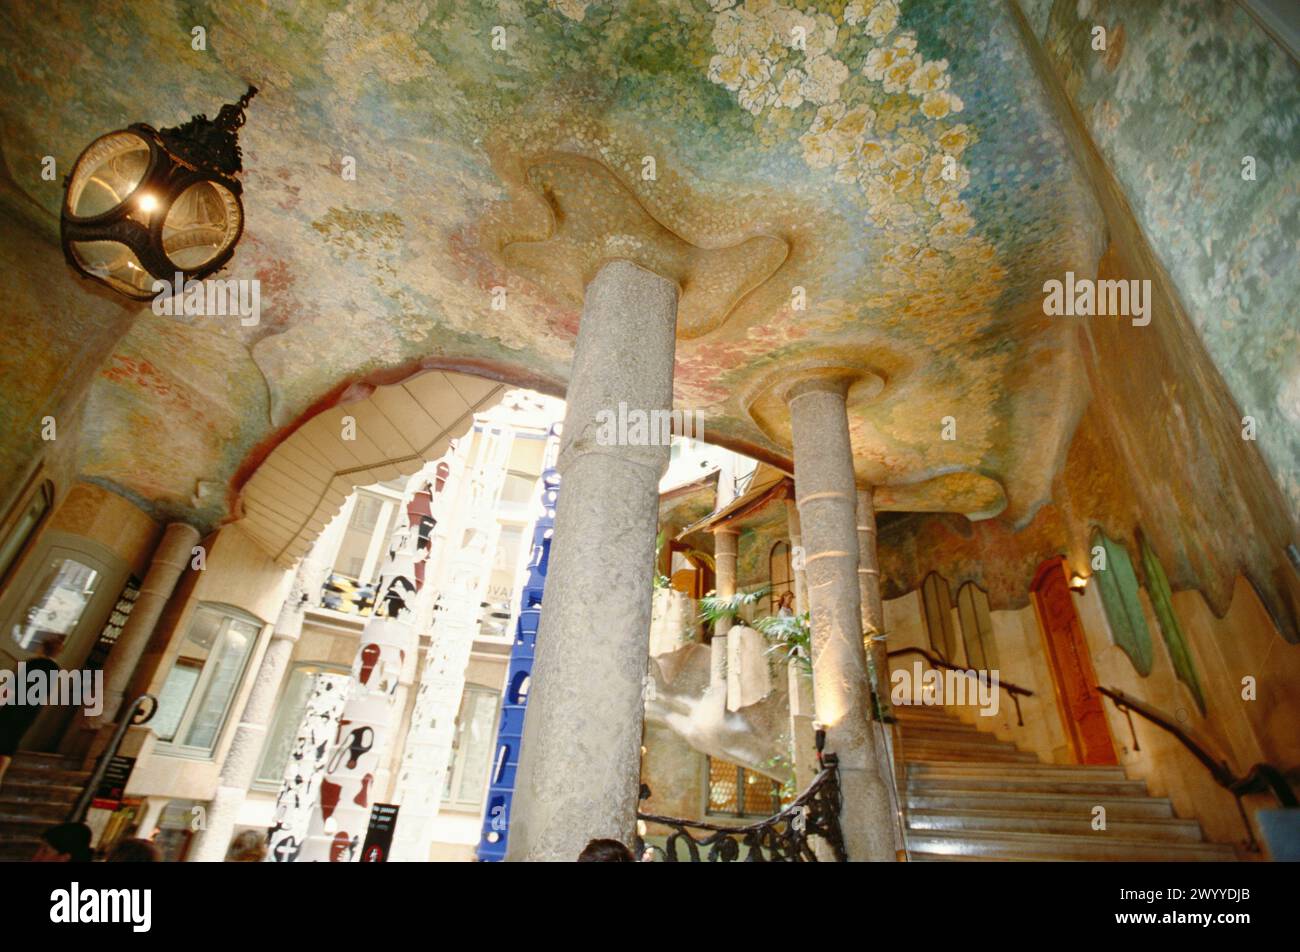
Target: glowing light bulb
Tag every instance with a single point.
(147, 203)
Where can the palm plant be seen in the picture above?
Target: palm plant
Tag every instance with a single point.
(721, 612)
(791, 637)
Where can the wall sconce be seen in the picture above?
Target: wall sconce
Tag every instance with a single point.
(144, 204)
(1078, 583)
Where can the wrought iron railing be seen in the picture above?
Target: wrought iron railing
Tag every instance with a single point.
(790, 836)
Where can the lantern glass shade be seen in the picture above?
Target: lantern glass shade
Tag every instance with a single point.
(115, 264)
(107, 174)
(202, 222)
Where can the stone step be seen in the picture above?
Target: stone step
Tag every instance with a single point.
(26, 825)
(948, 753)
(938, 770)
(1029, 784)
(1162, 829)
(36, 808)
(961, 801)
(971, 738)
(918, 712)
(1063, 847)
(18, 850)
(24, 773)
(38, 792)
(40, 761)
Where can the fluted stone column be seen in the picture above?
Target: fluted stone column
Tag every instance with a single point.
(873, 610)
(241, 760)
(580, 758)
(170, 559)
(826, 493)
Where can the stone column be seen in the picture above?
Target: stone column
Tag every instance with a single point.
(245, 751)
(359, 749)
(826, 493)
(725, 549)
(803, 744)
(170, 559)
(873, 610)
(580, 757)
(796, 561)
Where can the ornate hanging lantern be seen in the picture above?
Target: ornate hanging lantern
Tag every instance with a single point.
(145, 204)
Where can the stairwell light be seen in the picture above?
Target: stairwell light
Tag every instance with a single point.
(1078, 583)
(144, 205)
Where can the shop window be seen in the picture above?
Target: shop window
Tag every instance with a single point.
(175, 830)
(976, 627)
(60, 599)
(1118, 585)
(23, 530)
(738, 792)
(196, 698)
(476, 725)
(289, 713)
(1162, 602)
(936, 603)
(780, 573)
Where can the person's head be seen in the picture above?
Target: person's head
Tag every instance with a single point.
(247, 847)
(134, 851)
(50, 646)
(65, 843)
(605, 851)
(786, 601)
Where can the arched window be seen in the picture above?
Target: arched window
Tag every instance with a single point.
(1112, 569)
(780, 574)
(936, 603)
(976, 627)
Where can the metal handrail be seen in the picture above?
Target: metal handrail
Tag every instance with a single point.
(129, 718)
(1015, 690)
(1262, 778)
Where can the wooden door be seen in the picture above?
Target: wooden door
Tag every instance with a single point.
(1067, 654)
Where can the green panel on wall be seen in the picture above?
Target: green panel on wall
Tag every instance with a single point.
(1162, 601)
(1119, 595)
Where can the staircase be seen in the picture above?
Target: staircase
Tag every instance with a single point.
(969, 796)
(37, 792)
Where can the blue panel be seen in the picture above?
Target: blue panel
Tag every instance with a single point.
(514, 702)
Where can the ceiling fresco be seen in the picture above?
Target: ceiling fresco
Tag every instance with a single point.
(883, 182)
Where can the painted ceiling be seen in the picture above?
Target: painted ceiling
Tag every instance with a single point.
(875, 184)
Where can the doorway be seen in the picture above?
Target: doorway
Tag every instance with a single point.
(1071, 664)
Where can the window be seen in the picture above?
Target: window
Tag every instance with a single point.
(736, 791)
(502, 583)
(365, 514)
(936, 603)
(780, 573)
(62, 593)
(25, 526)
(976, 627)
(289, 713)
(196, 697)
(517, 490)
(476, 727)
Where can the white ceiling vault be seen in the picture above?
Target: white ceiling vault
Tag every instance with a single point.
(398, 428)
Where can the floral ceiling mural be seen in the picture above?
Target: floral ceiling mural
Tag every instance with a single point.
(902, 153)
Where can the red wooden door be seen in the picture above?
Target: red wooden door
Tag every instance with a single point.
(1067, 652)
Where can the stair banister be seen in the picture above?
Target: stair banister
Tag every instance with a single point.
(1015, 690)
(130, 716)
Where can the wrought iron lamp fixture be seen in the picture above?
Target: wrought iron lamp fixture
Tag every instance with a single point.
(145, 204)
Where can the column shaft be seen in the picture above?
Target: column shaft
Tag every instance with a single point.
(873, 609)
(170, 559)
(824, 482)
(580, 758)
